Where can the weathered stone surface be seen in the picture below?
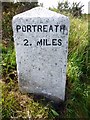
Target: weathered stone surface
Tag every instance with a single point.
(41, 43)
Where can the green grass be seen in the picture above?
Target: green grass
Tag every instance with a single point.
(77, 103)
(19, 105)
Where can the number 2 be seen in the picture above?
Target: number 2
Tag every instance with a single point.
(26, 42)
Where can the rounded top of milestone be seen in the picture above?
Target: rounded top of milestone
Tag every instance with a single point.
(39, 12)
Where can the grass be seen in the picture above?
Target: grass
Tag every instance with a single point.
(77, 103)
(78, 70)
(15, 104)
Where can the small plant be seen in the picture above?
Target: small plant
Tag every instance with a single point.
(75, 8)
(8, 60)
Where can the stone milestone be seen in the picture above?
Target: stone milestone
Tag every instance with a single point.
(41, 43)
